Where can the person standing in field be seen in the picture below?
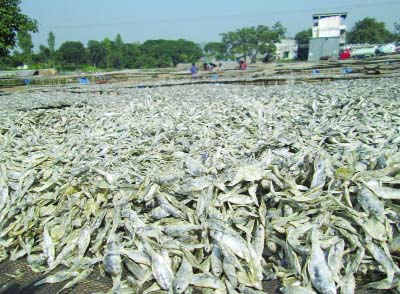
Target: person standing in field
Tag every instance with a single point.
(194, 70)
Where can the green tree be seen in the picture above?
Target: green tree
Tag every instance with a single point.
(7, 62)
(96, 53)
(166, 53)
(397, 31)
(185, 51)
(17, 58)
(303, 40)
(132, 56)
(303, 37)
(43, 57)
(369, 30)
(108, 46)
(13, 21)
(26, 45)
(215, 49)
(119, 52)
(146, 61)
(51, 42)
(72, 54)
(250, 41)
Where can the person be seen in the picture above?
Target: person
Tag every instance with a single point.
(242, 65)
(194, 69)
(220, 67)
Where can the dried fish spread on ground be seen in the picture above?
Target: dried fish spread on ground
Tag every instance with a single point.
(211, 188)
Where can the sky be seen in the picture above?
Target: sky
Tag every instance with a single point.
(198, 21)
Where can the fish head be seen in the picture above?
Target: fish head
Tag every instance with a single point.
(180, 287)
(217, 235)
(217, 271)
(329, 290)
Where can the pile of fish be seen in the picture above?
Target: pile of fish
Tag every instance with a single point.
(205, 189)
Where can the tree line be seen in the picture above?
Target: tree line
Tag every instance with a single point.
(244, 43)
(248, 42)
(105, 54)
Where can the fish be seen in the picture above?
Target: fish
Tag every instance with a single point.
(206, 281)
(161, 269)
(216, 261)
(58, 277)
(370, 203)
(320, 274)
(48, 246)
(84, 240)
(112, 262)
(183, 277)
(234, 242)
(335, 259)
(204, 188)
(381, 256)
(348, 284)
(79, 278)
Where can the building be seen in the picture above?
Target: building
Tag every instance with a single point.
(286, 49)
(328, 34)
(329, 25)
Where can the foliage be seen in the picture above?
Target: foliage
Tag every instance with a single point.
(26, 45)
(303, 36)
(165, 53)
(12, 22)
(7, 63)
(108, 47)
(90, 69)
(119, 52)
(71, 54)
(51, 42)
(25, 42)
(397, 31)
(132, 55)
(43, 58)
(250, 41)
(96, 53)
(369, 30)
(146, 61)
(216, 49)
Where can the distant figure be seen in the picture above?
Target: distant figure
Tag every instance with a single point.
(242, 65)
(220, 67)
(194, 69)
(205, 66)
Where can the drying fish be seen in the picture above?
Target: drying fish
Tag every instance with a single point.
(165, 191)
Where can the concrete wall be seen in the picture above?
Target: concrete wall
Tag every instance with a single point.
(286, 45)
(323, 47)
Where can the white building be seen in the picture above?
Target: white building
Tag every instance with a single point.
(329, 25)
(286, 49)
(328, 34)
